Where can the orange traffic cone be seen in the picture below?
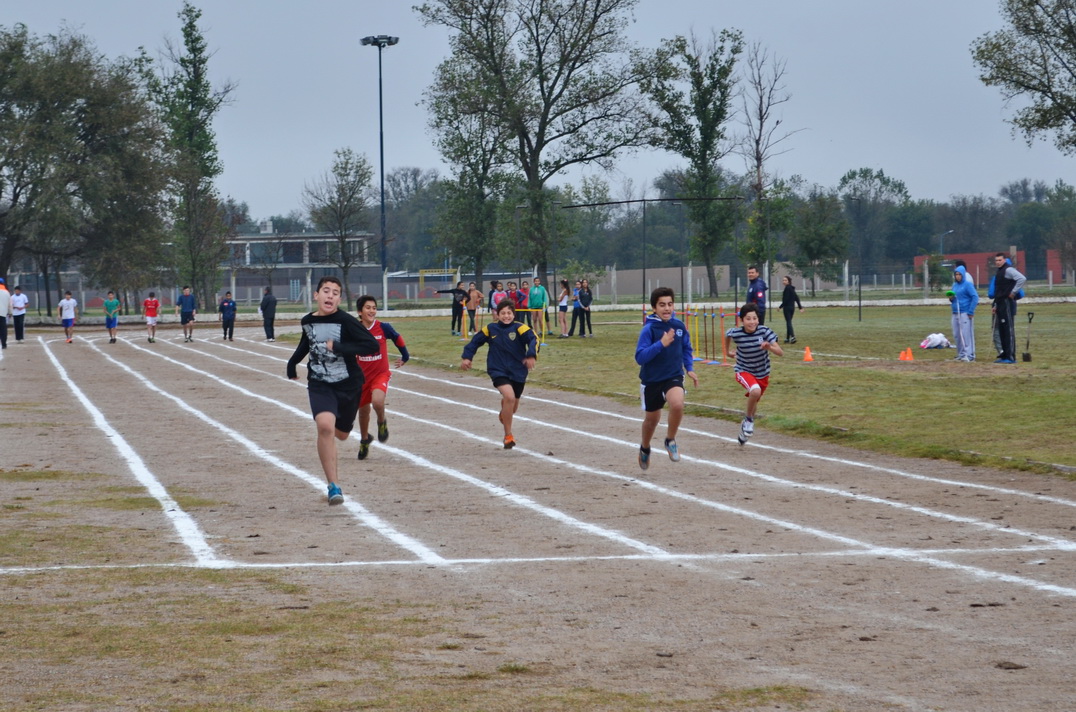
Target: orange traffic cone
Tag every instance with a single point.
(910, 356)
(807, 357)
(903, 355)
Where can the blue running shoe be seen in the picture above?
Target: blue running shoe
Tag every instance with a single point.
(674, 452)
(335, 495)
(644, 458)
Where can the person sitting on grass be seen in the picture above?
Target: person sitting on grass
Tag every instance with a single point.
(513, 351)
(664, 354)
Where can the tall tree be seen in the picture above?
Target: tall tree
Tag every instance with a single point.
(559, 76)
(1034, 60)
(869, 196)
(338, 203)
(819, 236)
(81, 159)
(189, 103)
(692, 125)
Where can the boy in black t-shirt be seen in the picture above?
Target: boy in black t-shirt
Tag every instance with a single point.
(333, 339)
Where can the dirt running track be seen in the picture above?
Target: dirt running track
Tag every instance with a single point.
(876, 582)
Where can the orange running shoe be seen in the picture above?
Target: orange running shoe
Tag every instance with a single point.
(509, 442)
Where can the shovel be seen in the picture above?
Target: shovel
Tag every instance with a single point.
(1026, 356)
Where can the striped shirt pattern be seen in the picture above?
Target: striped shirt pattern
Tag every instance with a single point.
(750, 357)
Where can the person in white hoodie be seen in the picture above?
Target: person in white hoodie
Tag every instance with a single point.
(5, 311)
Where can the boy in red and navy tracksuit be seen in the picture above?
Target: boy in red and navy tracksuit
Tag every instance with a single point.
(375, 368)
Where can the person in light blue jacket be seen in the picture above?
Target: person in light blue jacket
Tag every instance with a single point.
(964, 300)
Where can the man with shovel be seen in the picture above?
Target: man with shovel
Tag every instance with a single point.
(1006, 284)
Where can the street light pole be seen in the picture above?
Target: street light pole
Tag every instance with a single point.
(382, 41)
(683, 292)
(941, 242)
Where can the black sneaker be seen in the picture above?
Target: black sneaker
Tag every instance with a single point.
(383, 431)
(364, 446)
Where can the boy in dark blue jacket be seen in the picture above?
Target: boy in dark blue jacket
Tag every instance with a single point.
(664, 354)
(513, 351)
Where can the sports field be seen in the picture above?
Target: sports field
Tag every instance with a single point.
(165, 542)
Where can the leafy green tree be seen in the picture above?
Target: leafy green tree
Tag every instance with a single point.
(1034, 60)
(473, 142)
(558, 76)
(338, 204)
(869, 196)
(81, 159)
(1030, 229)
(819, 237)
(692, 125)
(188, 104)
(412, 197)
(769, 220)
(910, 229)
(1063, 236)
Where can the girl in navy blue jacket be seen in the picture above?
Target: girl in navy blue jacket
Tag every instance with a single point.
(664, 354)
(513, 351)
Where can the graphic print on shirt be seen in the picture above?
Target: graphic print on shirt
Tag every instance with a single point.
(324, 365)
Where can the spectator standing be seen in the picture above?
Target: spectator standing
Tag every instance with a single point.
(267, 309)
(499, 295)
(525, 303)
(562, 309)
(577, 310)
(789, 301)
(226, 315)
(1007, 282)
(68, 307)
(990, 295)
(112, 316)
(19, 302)
(474, 303)
(538, 298)
(459, 298)
(586, 298)
(5, 310)
(151, 307)
(756, 292)
(964, 300)
(187, 308)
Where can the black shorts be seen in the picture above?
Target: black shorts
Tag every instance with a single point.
(517, 386)
(654, 393)
(186, 317)
(343, 403)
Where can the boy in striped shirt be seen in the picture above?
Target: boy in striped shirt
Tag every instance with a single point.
(751, 344)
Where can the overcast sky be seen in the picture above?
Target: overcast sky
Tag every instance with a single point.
(884, 84)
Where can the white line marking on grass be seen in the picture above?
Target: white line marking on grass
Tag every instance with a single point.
(371, 520)
(193, 537)
(799, 453)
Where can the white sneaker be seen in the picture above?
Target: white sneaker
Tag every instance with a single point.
(747, 429)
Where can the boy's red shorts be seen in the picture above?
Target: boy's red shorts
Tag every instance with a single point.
(747, 380)
(379, 382)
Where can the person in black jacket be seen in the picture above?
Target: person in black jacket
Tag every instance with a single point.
(459, 297)
(267, 308)
(789, 301)
(334, 340)
(586, 298)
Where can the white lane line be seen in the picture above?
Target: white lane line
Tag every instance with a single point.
(756, 445)
(902, 554)
(909, 555)
(189, 532)
(1062, 544)
(368, 518)
(664, 558)
(517, 499)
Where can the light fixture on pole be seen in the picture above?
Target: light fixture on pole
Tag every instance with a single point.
(382, 41)
(941, 242)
